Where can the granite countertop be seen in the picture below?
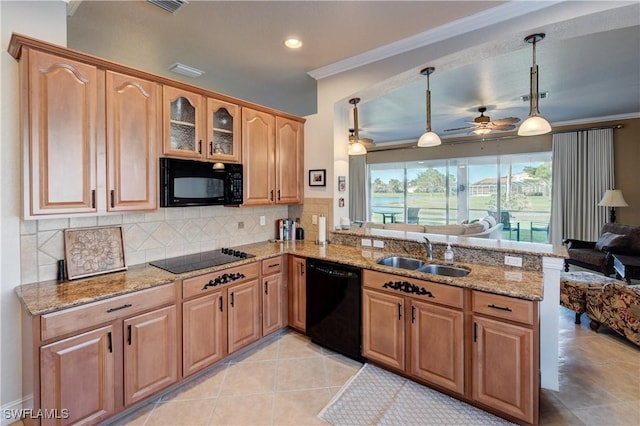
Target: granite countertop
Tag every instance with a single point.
(49, 296)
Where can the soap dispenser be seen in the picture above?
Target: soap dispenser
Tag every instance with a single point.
(448, 254)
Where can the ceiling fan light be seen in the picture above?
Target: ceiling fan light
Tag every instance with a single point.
(481, 131)
(429, 139)
(533, 126)
(356, 148)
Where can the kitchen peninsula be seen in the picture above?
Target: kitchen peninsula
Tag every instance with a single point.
(168, 302)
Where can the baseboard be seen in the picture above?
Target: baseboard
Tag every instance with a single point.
(12, 412)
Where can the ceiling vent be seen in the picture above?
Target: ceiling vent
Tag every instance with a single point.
(170, 6)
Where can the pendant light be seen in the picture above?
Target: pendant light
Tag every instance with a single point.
(429, 138)
(356, 145)
(535, 124)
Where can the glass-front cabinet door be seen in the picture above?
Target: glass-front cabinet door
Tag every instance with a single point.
(223, 131)
(182, 123)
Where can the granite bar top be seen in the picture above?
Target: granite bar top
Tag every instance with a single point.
(49, 296)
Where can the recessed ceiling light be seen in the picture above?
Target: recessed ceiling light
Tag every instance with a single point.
(293, 43)
(186, 70)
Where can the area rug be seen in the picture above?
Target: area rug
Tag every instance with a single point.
(374, 396)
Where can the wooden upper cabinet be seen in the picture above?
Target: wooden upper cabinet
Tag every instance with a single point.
(184, 123)
(133, 129)
(289, 161)
(61, 113)
(224, 142)
(258, 152)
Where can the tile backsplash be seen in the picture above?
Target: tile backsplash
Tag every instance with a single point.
(165, 233)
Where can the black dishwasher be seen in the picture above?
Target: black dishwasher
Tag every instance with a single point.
(334, 307)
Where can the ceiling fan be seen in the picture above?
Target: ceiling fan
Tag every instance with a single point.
(482, 124)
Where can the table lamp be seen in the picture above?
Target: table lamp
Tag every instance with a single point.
(613, 198)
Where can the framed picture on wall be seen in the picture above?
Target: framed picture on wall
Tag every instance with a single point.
(318, 177)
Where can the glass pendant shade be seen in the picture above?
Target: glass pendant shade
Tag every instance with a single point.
(356, 148)
(533, 126)
(429, 139)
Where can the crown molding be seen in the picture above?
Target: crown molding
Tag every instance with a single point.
(487, 18)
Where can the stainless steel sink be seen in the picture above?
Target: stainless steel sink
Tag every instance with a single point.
(401, 262)
(449, 271)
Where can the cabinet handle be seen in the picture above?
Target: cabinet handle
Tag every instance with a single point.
(274, 265)
(232, 300)
(278, 195)
(502, 308)
(129, 334)
(200, 146)
(220, 301)
(399, 311)
(110, 342)
(475, 331)
(301, 269)
(211, 148)
(271, 196)
(127, 305)
(113, 198)
(93, 198)
(413, 314)
(266, 287)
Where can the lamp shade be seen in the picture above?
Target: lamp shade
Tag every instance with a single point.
(613, 198)
(534, 125)
(357, 148)
(429, 139)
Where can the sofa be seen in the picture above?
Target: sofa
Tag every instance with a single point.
(616, 305)
(484, 228)
(614, 238)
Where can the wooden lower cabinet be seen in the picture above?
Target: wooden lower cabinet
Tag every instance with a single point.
(383, 328)
(204, 332)
(273, 295)
(243, 315)
(436, 345)
(150, 353)
(297, 293)
(78, 377)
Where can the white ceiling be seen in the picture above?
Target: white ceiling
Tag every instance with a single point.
(589, 62)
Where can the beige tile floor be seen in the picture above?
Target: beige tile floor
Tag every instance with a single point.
(285, 379)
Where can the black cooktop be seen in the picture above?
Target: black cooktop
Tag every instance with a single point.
(207, 259)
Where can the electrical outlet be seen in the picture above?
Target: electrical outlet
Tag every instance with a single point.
(262, 221)
(513, 261)
(365, 242)
(314, 219)
(240, 225)
(378, 243)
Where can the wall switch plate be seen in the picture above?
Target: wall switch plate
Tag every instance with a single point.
(513, 261)
(314, 219)
(262, 221)
(378, 243)
(365, 242)
(240, 225)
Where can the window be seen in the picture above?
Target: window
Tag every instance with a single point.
(452, 191)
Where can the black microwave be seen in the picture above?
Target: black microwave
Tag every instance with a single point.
(197, 183)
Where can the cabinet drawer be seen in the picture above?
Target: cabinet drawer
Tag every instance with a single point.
(432, 292)
(272, 266)
(196, 285)
(510, 308)
(81, 317)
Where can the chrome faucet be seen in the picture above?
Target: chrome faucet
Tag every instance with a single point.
(428, 248)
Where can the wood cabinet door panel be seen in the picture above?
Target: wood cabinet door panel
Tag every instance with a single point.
(224, 125)
(297, 293)
(150, 353)
(436, 345)
(77, 374)
(383, 328)
(503, 367)
(204, 332)
(272, 319)
(289, 161)
(183, 135)
(244, 304)
(63, 112)
(258, 151)
(133, 119)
